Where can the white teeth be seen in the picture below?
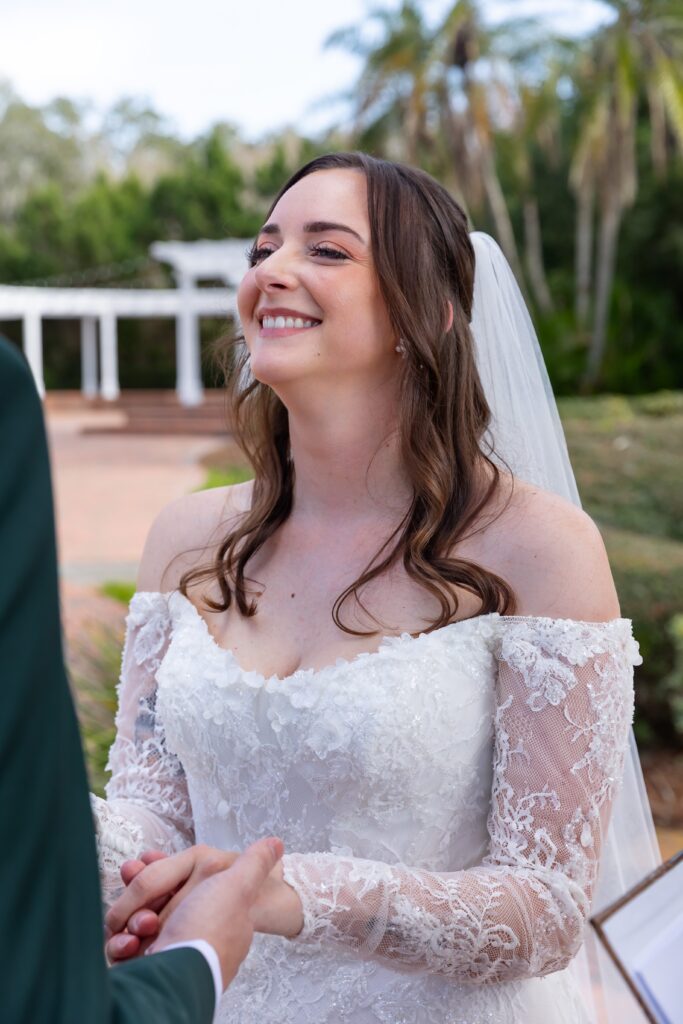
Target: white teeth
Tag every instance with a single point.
(275, 322)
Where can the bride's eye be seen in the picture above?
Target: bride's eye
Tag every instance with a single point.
(327, 252)
(257, 253)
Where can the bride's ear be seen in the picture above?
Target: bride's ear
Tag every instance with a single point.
(449, 315)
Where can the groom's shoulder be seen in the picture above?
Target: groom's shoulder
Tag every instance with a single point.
(14, 370)
(186, 533)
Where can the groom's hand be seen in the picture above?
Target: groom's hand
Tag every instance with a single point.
(219, 910)
(219, 907)
(152, 894)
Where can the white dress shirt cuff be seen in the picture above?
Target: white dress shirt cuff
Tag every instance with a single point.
(211, 957)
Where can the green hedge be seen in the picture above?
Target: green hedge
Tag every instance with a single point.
(626, 454)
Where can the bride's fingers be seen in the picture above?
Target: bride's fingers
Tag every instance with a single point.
(149, 856)
(156, 882)
(131, 868)
(144, 923)
(122, 947)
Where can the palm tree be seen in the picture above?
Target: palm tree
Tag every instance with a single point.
(473, 96)
(633, 62)
(537, 129)
(392, 96)
(422, 89)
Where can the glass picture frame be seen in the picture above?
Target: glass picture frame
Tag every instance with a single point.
(642, 932)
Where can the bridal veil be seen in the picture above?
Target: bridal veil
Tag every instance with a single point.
(526, 436)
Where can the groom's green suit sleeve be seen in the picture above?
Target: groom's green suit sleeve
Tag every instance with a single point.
(52, 968)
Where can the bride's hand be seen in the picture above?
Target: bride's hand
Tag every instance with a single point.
(155, 889)
(277, 910)
(155, 885)
(127, 945)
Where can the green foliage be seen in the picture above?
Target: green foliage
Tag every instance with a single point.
(625, 452)
(428, 92)
(94, 682)
(114, 219)
(100, 232)
(226, 476)
(673, 683)
(203, 198)
(110, 223)
(39, 149)
(271, 175)
(119, 590)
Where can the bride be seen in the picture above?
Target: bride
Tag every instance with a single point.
(399, 648)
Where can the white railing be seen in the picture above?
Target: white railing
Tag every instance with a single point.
(103, 307)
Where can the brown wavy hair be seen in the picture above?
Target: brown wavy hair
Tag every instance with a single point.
(423, 258)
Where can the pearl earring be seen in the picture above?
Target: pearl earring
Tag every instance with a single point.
(401, 347)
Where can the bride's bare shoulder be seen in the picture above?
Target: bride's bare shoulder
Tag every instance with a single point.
(186, 532)
(553, 555)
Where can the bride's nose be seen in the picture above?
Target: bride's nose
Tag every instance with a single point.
(276, 272)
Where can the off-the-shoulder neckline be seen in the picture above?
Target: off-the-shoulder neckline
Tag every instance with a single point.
(385, 643)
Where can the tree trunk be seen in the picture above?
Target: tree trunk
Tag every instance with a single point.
(501, 216)
(610, 222)
(584, 253)
(411, 133)
(451, 131)
(534, 256)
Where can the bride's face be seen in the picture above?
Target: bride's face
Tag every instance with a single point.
(310, 304)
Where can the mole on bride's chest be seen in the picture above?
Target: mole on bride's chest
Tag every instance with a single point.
(294, 628)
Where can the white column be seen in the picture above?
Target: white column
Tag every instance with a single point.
(109, 358)
(188, 353)
(89, 357)
(33, 348)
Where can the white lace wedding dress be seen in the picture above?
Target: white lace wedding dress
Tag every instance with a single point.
(443, 802)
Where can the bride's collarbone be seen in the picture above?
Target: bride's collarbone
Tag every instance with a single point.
(285, 637)
(275, 644)
(296, 591)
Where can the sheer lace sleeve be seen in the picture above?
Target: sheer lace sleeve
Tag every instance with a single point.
(147, 805)
(564, 706)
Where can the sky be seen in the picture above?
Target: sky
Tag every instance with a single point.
(259, 64)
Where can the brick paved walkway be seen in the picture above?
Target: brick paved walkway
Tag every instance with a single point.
(108, 490)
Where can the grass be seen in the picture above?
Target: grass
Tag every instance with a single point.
(119, 590)
(94, 683)
(225, 477)
(626, 456)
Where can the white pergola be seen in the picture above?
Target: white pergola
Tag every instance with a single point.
(192, 262)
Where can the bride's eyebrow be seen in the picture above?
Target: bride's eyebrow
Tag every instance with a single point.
(314, 227)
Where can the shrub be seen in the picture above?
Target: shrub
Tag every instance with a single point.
(94, 681)
(225, 476)
(625, 452)
(119, 590)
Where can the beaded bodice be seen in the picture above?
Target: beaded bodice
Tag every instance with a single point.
(442, 800)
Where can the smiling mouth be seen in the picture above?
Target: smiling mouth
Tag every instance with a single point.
(279, 323)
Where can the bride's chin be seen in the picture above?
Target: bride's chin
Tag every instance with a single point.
(273, 371)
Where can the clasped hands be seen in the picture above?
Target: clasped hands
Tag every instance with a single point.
(157, 884)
